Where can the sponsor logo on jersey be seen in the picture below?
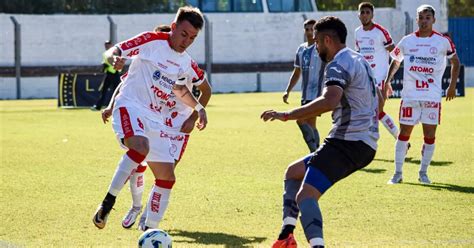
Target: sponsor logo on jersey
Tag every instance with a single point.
(155, 202)
(433, 50)
(173, 149)
(155, 108)
(414, 50)
(372, 65)
(367, 50)
(425, 60)
(156, 75)
(371, 42)
(397, 51)
(162, 66)
(421, 69)
(335, 69)
(412, 58)
(172, 62)
(171, 137)
(159, 93)
(369, 57)
(432, 116)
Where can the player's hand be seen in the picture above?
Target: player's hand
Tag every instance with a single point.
(451, 93)
(274, 115)
(202, 119)
(106, 113)
(119, 63)
(285, 97)
(188, 124)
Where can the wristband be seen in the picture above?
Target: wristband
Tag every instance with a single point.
(198, 107)
(285, 116)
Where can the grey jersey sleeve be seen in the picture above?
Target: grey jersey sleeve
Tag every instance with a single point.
(335, 74)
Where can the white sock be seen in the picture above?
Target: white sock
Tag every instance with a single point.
(158, 202)
(124, 169)
(137, 185)
(426, 156)
(400, 153)
(389, 124)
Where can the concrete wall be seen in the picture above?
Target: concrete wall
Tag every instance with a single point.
(237, 38)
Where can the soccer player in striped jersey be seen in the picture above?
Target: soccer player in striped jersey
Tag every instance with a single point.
(424, 53)
(311, 68)
(375, 43)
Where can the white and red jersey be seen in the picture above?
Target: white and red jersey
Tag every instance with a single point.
(372, 45)
(425, 62)
(155, 68)
(176, 112)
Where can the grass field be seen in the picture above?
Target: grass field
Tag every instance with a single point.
(56, 166)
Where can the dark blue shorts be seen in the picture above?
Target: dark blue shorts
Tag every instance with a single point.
(334, 160)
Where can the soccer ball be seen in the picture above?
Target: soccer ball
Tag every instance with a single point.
(154, 238)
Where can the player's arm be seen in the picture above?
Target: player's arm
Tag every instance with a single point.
(394, 66)
(183, 94)
(295, 76)
(329, 100)
(204, 97)
(390, 48)
(455, 67)
(107, 112)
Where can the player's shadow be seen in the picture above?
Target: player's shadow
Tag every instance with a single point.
(445, 186)
(433, 163)
(410, 160)
(374, 170)
(212, 238)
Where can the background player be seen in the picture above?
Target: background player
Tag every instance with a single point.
(424, 53)
(308, 63)
(374, 42)
(350, 92)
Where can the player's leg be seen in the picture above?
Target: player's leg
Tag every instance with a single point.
(387, 121)
(108, 81)
(431, 115)
(335, 160)
(307, 128)
(293, 177)
(160, 193)
(137, 185)
(410, 114)
(127, 125)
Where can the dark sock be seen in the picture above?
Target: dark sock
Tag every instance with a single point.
(108, 202)
(286, 230)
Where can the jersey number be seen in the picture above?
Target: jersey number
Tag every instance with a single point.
(407, 112)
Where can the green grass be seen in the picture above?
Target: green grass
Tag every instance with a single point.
(56, 166)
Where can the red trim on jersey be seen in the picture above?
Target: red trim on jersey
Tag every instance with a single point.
(429, 141)
(385, 33)
(142, 39)
(417, 33)
(141, 168)
(403, 137)
(197, 70)
(439, 113)
(126, 123)
(135, 156)
(124, 76)
(400, 111)
(381, 115)
(183, 148)
(164, 184)
(451, 43)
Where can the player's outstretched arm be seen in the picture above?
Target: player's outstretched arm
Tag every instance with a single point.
(295, 76)
(328, 101)
(184, 95)
(204, 98)
(455, 67)
(394, 66)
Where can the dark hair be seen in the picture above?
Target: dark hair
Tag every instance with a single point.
(425, 7)
(334, 25)
(309, 22)
(162, 28)
(192, 15)
(108, 42)
(366, 5)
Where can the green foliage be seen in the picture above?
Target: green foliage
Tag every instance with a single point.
(461, 8)
(331, 5)
(56, 165)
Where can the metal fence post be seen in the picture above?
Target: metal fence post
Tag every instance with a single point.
(408, 23)
(208, 48)
(113, 30)
(17, 56)
(259, 82)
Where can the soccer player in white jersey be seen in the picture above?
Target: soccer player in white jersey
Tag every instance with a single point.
(350, 92)
(309, 65)
(375, 43)
(160, 68)
(424, 53)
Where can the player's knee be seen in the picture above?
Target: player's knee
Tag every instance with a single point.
(295, 171)
(429, 140)
(139, 144)
(166, 184)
